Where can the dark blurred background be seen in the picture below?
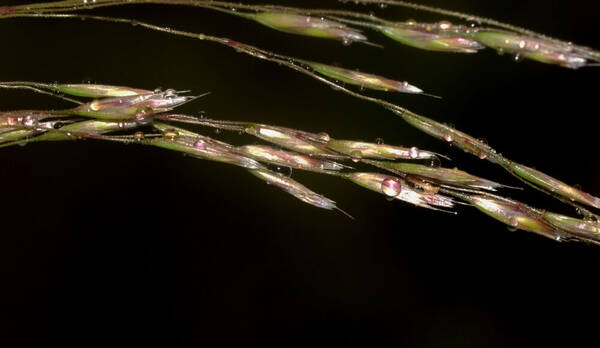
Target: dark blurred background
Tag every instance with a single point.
(104, 244)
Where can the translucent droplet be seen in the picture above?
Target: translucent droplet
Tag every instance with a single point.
(517, 57)
(287, 171)
(217, 131)
(413, 152)
(323, 137)
(158, 90)
(30, 121)
(143, 113)
(200, 144)
(202, 114)
(435, 162)
(444, 25)
(448, 138)
(170, 94)
(379, 141)
(391, 187)
(382, 5)
(171, 133)
(138, 136)
(356, 156)
(346, 42)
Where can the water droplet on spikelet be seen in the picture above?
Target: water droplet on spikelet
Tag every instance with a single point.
(323, 137)
(413, 152)
(391, 187)
(356, 156)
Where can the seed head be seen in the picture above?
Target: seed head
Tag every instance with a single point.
(309, 26)
(398, 188)
(361, 150)
(294, 188)
(132, 107)
(514, 214)
(446, 176)
(418, 35)
(553, 185)
(364, 80)
(289, 159)
(98, 91)
(533, 48)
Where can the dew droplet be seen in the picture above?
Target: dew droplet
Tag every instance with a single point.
(379, 141)
(435, 162)
(143, 113)
(200, 144)
(158, 90)
(356, 156)
(170, 94)
(382, 5)
(391, 187)
(323, 137)
(138, 136)
(30, 121)
(445, 25)
(170, 133)
(448, 138)
(217, 131)
(346, 41)
(286, 171)
(517, 57)
(413, 152)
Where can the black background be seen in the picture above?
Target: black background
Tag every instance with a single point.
(108, 245)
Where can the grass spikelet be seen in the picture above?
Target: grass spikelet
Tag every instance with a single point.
(308, 26)
(364, 80)
(275, 156)
(553, 185)
(424, 37)
(586, 229)
(132, 107)
(513, 214)
(397, 188)
(532, 48)
(359, 150)
(294, 188)
(86, 90)
(180, 140)
(447, 176)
